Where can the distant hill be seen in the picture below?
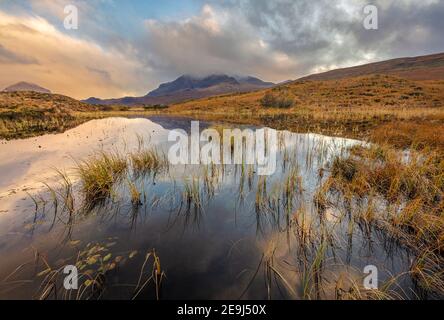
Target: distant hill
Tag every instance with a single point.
(37, 102)
(188, 87)
(430, 67)
(26, 86)
(25, 114)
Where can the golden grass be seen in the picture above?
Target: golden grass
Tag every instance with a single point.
(99, 174)
(363, 107)
(25, 114)
(157, 275)
(404, 196)
(148, 161)
(407, 134)
(192, 194)
(135, 194)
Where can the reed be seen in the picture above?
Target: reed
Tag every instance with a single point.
(99, 174)
(148, 161)
(156, 275)
(312, 275)
(192, 195)
(261, 194)
(135, 194)
(292, 185)
(383, 178)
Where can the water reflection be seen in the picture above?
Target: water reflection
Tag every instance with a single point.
(217, 232)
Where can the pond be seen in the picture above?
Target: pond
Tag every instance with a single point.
(193, 232)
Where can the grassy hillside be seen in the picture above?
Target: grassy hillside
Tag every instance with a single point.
(375, 90)
(24, 114)
(430, 67)
(362, 107)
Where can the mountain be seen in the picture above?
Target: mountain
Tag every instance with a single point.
(429, 67)
(26, 86)
(189, 87)
(283, 83)
(255, 81)
(184, 83)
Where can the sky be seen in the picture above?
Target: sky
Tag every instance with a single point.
(128, 47)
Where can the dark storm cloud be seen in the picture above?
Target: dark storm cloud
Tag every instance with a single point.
(319, 34)
(413, 29)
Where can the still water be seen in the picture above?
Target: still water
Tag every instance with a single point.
(238, 236)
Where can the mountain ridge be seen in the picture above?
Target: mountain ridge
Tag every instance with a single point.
(188, 87)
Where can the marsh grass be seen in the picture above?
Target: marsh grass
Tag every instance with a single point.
(274, 274)
(95, 263)
(192, 196)
(305, 230)
(292, 185)
(20, 127)
(402, 194)
(261, 195)
(99, 174)
(148, 161)
(156, 275)
(427, 271)
(211, 179)
(27, 114)
(62, 195)
(348, 286)
(312, 275)
(99, 177)
(135, 194)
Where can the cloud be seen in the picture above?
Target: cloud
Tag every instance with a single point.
(66, 65)
(286, 39)
(325, 34)
(115, 54)
(9, 57)
(214, 42)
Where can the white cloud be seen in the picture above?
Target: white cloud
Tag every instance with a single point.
(215, 41)
(274, 40)
(64, 64)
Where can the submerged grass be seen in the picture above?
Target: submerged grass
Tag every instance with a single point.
(95, 264)
(135, 194)
(192, 194)
(148, 161)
